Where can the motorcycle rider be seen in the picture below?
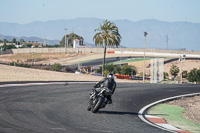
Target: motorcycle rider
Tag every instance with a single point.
(108, 83)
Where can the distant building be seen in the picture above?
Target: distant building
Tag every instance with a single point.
(34, 44)
(76, 43)
(79, 44)
(1, 44)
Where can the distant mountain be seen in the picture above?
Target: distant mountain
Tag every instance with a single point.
(180, 34)
(26, 39)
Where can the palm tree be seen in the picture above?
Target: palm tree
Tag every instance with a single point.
(107, 35)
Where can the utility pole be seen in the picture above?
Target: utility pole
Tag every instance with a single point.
(181, 60)
(65, 39)
(145, 34)
(44, 42)
(167, 39)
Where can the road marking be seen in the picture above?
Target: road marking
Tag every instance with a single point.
(48, 83)
(58, 128)
(101, 131)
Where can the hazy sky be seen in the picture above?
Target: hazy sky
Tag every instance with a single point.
(25, 11)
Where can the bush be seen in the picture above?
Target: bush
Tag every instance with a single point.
(174, 70)
(128, 70)
(117, 70)
(184, 74)
(19, 64)
(110, 68)
(166, 75)
(56, 67)
(194, 75)
(12, 63)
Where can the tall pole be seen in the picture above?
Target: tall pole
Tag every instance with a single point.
(145, 34)
(44, 42)
(181, 59)
(65, 39)
(181, 71)
(167, 39)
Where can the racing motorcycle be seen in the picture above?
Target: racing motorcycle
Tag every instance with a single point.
(98, 98)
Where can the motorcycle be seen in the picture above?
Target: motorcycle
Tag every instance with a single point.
(98, 98)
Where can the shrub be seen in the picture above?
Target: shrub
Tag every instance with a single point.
(117, 70)
(12, 63)
(166, 75)
(110, 68)
(194, 75)
(56, 67)
(184, 74)
(19, 64)
(128, 70)
(174, 70)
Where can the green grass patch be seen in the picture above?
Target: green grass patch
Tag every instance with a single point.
(131, 60)
(173, 115)
(137, 59)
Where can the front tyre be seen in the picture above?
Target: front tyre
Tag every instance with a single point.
(98, 105)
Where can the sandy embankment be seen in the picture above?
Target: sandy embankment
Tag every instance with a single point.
(12, 73)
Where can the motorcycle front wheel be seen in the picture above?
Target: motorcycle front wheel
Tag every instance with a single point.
(97, 106)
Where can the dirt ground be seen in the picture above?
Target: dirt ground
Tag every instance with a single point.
(187, 65)
(191, 106)
(12, 73)
(62, 58)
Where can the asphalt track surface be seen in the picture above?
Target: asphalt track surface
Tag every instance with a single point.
(62, 108)
(108, 60)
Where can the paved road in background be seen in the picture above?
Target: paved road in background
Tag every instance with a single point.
(62, 108)
(108, 60)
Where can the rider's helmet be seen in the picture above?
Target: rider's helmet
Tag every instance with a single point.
(110, 75)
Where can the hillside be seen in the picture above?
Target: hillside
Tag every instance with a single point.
(180, 34)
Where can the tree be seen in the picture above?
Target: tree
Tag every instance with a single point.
(21, 41)
(14, 40)
(107, 35)
(184, 74)
(194, 75)
(5, 41)
(4, 47)
(56, 67)
(174, 70)
(27, 45)
(117, 70)
(166, 75)
(70, 38)
(128, 70)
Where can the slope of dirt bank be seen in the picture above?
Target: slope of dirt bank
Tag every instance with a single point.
(12, 73)
(191, 106)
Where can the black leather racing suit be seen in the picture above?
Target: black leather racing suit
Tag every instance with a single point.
(107, 83)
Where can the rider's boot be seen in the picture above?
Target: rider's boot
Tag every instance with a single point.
(109, 100)
(89, 106)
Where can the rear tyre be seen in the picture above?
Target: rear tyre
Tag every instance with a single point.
(98, 105)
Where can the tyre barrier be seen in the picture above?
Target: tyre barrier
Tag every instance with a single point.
(111, 52)
(119, 76)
